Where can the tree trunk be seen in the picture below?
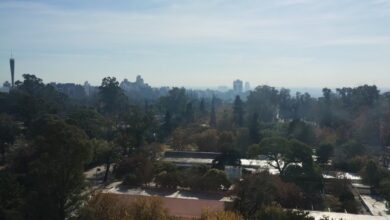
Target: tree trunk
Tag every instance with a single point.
(106, 173)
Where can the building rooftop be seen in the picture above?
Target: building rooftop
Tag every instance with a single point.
(191, 154)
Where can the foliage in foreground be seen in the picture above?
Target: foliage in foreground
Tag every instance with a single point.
(105, 206)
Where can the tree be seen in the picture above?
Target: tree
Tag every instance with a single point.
(8, 131)
(107, 206)
(301, 131)
(254, 129)
(341, 189)
(168, 179)
(167, 126)
(33, 98)
(104, 153)
(189, 114)
(263, 100)
(145, 208)
(134, 127)
(207, 140)
(257, 191)
(202, 108)
(384, 189)
(326, 116)
(12, 199)
(281, 152)
(181, 139)
(238, 112)
(215, 179)
(111, 96)
(57, 172)
(213, 117)
(175, 102)
(372, 174)
(324, 152)
(138, 165)
(353, 148)
(93, 123)
(276, 149)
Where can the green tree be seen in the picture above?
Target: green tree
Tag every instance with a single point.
(89, 120)
(104, 153)
(384, 189)
(372, 174)
(276, 149)
(214, 179)
(281, 152)
(254, 129)
(207, 140)
(168, 179)
(167, 127)
(134, 128)
(324, 152)
(202, 108)
(238, 112)
(301, 131)
(257, 191)
(263, 100)
(189, 114)
(8, 131)
(175, 103)
(57, 172)
(32, 98)
(112, 98)
(12, 198)
(138, 165)
(213, 117)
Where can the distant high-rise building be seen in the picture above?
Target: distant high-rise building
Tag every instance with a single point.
(12, 66)
(237, 86)
(139, 80)
(247, 86)
(87, 88)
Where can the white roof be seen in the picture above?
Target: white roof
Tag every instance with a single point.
(342, 175)
(345, 216)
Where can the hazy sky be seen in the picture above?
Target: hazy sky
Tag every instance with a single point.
(293, 43)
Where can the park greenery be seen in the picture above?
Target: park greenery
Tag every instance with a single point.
(48, 139)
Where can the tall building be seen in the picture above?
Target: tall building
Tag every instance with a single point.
(237, 86)
(247, 86)
(87, 88)
(139, 81)
(12, 66)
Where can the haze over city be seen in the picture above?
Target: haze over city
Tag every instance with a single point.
(292, 43)
(195, 109)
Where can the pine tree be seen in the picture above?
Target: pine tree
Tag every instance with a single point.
(238, 112)
(213, 118)
(254, 128)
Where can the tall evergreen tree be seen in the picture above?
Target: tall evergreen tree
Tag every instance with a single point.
(238, 112)
(213, 117)
(189, 115)
(254, 128)
(202, 107)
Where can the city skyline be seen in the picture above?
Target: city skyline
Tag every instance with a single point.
(284, 43)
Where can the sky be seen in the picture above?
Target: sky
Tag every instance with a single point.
(199, 43)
